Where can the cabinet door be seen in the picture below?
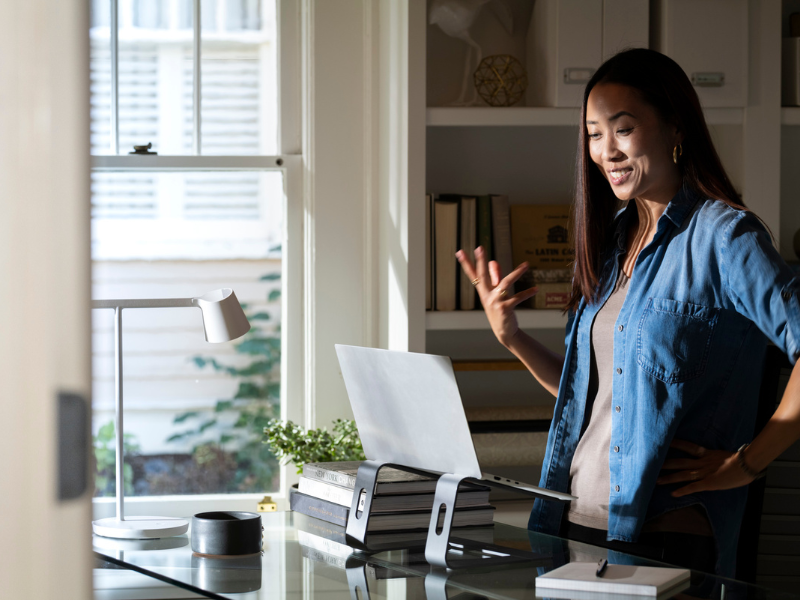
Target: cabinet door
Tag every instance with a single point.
(626, 24)
(564, 45)
(708, 38)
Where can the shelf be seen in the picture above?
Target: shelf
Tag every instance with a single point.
(512, 116)
(476, 319)
(539, 116)
(790, 115)
(488, 365)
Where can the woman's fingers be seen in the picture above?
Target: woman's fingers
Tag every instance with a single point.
(466, 264)
(689, 448)
(520, 297)
(482, 270)
(494, 272)
(512, 277)
(688, 475)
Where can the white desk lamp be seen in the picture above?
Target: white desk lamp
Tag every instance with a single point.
(223, 320)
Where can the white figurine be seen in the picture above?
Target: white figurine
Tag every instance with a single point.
(455, 18)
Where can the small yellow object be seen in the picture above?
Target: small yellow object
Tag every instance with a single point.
(267, 505)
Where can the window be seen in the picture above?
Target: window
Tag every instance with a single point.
(208, 210)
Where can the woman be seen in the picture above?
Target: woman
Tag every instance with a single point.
(674, 299)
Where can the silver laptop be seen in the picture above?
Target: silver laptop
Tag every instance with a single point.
(408, 411)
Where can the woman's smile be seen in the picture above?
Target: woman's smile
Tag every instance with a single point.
(619, 176)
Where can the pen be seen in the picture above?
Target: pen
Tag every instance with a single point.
(601, 567)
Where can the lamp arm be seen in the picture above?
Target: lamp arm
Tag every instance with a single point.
(145, 303)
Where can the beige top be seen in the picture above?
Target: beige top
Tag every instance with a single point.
(589, 473)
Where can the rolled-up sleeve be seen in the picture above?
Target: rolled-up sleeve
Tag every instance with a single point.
(761, 286)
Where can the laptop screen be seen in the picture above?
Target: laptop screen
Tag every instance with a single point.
(408, 409)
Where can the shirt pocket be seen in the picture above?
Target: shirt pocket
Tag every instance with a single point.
(674, 338)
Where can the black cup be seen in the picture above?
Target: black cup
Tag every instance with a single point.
(226, 533)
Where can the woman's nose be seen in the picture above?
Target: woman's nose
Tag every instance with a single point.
(610, 148)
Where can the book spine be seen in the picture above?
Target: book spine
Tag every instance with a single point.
(326, 491)
(485, 225)
(335, 477)
(319, 509)
(501, 235)
(445, 245)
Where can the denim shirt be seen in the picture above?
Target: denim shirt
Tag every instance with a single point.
(705, 297)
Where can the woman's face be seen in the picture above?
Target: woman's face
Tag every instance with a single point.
(631, 144)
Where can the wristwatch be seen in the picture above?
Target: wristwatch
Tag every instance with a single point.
(743, 465)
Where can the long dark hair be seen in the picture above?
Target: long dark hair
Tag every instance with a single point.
(662, 84)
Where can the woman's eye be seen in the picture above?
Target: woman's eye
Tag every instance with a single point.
(624, 131)
(594, 136)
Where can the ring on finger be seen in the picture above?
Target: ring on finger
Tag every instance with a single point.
(694, 474)
(502, 293)
(475, 282)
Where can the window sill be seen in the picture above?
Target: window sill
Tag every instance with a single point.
(184, 506)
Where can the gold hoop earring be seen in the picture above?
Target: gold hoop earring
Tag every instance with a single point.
(677, 152)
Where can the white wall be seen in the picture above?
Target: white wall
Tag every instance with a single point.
(44, 304)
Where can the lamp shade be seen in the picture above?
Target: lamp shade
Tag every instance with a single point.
(223, 317)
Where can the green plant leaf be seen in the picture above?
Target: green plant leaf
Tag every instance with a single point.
(207, 424)
(185, 416)
(262, 316)
(274, 295)
(270, 277)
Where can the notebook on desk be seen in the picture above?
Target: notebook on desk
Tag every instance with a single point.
(409, 412)
(578, 581)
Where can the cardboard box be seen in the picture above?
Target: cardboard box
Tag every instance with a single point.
(540, 236)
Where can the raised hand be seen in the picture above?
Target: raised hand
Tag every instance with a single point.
(493, 289)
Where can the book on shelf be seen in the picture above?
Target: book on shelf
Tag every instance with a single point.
(392, 503)
(390, 480)
(468, 235)
(445, 240)
(629, 580)
(501, 236)
(540, 237)
(396, 521)
(485, 225)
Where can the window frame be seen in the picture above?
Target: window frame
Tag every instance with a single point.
(290, 163)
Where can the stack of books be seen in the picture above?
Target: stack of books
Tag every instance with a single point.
(403, 501)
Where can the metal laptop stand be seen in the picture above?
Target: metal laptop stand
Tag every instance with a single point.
(441, 550)
(366, 481)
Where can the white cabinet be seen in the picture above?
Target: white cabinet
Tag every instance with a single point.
(709, 40)
(569, 39)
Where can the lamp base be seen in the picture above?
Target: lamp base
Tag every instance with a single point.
(140, 528)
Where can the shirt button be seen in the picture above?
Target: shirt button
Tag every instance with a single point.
(616, 448)
(619, 371)
(616, 488)
(617, 408)
(621, 327)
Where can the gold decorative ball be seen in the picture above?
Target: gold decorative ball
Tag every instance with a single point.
(501, 80)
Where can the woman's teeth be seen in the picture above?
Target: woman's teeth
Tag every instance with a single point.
(619, 175)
